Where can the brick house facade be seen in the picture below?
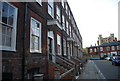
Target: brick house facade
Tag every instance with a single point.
(105, 49)
(39, 38)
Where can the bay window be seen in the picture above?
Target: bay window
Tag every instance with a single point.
(8, 21)
(35, 36)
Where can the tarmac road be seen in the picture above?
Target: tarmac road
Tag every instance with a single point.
(108, 70)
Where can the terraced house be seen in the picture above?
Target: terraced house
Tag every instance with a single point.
(39, 39)
(105, 49)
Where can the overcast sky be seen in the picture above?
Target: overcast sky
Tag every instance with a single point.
(94, 17)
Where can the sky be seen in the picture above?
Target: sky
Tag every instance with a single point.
(95, 17)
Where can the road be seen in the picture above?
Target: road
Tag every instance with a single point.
(108, 70)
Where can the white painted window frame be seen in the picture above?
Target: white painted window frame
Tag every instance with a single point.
(14, 31)
(59, 43)
(64, 46)
(63, 4)
(39, 1)
(40, 24)
(63, 22)
(58, 14)
(51, 35)
(52, 7)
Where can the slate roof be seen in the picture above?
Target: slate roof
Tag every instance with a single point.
(106, 44)
(109, 44)
(93, 47)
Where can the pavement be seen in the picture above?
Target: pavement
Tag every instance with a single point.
(91, 71)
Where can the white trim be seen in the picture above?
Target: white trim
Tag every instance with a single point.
(52, 15)
(59, 43)
(39, 1)
(51, 35)
(14, 32)
(35, 51)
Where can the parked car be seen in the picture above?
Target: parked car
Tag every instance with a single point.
(94, 58)
(116, 60)
(108, 58)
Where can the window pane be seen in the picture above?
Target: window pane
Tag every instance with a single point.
(9, 31)
(33, 23)
(50, 7)
(32, 42)
(58, 14)
(36, 39)
(50, 10)
(11, 15)
(3, 35)
(37, 32)
(8, 41)
(3, 39)
(3, 29)
(5, 13)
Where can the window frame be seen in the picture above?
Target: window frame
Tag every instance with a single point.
(113, 47)
(39, 1)
(63, 22)
(67, 29)
(58, 14)
(64, 46)
(63, 3)
(91, 50)
(59, 44)
(118, 47)
(52, 8)
(95, 50)
(14, 29)
(40, 34)
(108, 48)
(101, 48)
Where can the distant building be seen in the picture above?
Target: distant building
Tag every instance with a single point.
(102, 40)
(105, 49)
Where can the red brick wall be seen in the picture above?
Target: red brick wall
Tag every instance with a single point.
(51, 72)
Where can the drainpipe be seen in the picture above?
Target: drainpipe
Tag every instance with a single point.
(24, 41)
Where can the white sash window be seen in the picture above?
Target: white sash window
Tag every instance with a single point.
(8, 22)
(35, 41)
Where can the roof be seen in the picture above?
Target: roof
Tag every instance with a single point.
(109, 44)
(93, 47)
